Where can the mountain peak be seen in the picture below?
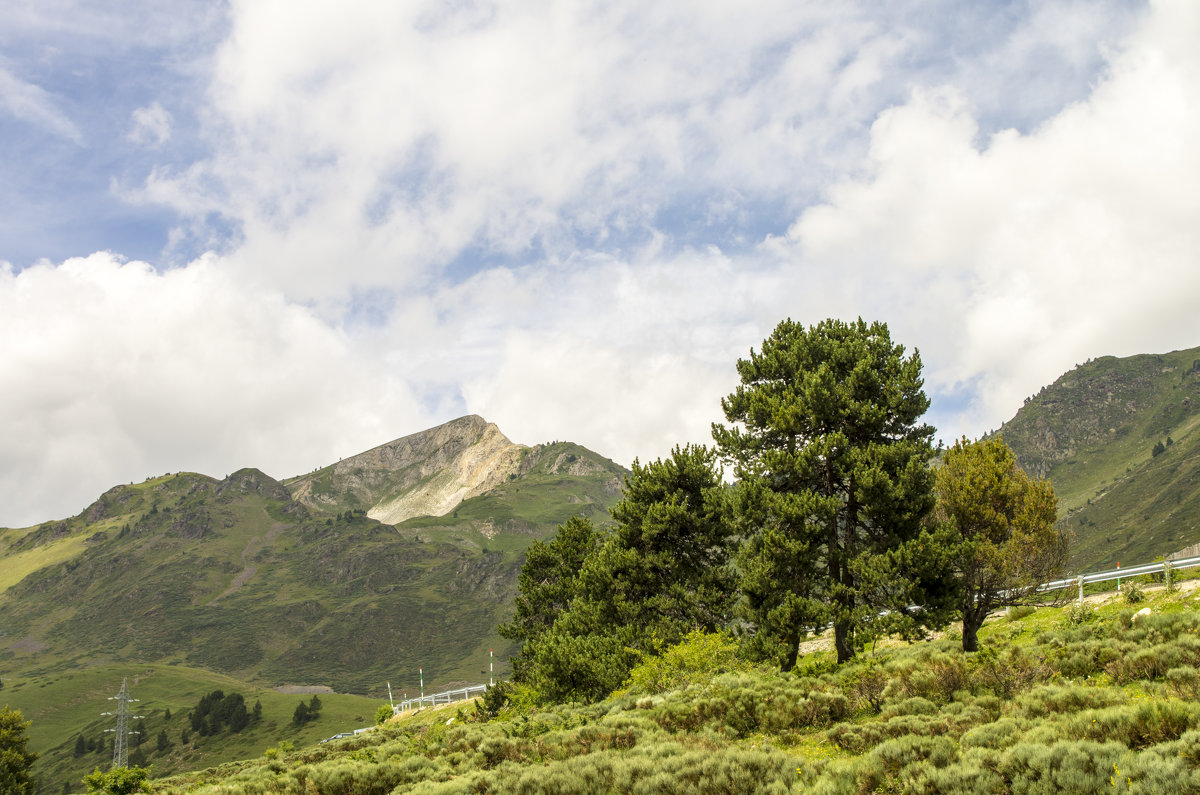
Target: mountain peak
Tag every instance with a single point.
(423, 474)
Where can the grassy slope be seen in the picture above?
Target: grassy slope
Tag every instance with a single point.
(1092, 433)
(226, 582)
(64, 705)
(1049, 705)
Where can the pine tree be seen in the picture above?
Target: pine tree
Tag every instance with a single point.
(16, 762)
(1000, 524)
(659, 575)
(548, 581)
(832, 463)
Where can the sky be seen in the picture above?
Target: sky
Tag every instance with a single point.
(273, 234)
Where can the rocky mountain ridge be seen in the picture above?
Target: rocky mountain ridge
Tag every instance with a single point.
(1119, 439)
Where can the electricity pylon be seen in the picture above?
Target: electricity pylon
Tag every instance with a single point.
(121, 732)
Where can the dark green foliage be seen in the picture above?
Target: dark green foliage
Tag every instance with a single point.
(1158, 449)
(660, 574)
(80, 746)
(833, 469)
(217, 712)
(300, 716)
(494, 699)
(548, 581)
(16, 761)
(164, 742)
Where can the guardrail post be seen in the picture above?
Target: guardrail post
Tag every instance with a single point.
(1080, 579)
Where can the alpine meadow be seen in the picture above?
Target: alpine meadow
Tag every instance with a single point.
(809, 604)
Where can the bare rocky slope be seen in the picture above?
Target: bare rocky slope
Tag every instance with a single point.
(423, 474)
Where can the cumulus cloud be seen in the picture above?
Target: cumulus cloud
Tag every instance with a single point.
(573, 220)
(1014, 259)
(393, 139)
(124, 372)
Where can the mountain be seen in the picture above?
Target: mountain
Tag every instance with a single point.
(1118, 438)
(401, 557)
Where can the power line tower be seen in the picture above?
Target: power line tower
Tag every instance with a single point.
(121, 732)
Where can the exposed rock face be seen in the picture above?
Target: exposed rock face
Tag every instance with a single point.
(425, 474)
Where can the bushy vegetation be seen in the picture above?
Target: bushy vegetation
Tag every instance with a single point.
(1048, 705)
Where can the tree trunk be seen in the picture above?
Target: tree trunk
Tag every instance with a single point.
(841, 641)
(972, 621)
(793, 654)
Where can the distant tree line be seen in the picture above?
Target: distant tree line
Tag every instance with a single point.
(837, 518)
(307, 712)
(217, 712)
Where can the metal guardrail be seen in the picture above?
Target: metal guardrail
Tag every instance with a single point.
(445, 697)
(1081, 580)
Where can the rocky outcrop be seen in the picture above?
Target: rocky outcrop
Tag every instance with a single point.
(424, 474)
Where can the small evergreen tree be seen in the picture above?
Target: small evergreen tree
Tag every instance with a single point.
(999, 524)
(164, 742)
(80, 746)
(300, 716)
(16, 762)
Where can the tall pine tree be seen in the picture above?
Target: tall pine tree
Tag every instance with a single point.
(832, 462)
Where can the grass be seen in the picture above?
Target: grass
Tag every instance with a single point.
(66, 703)
(1048, 705)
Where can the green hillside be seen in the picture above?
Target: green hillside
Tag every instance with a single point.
(64, 705)
(1119, 440)
(1059, 700)
(205, 580)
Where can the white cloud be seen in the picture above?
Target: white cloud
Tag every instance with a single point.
(35, 105)
(1015, 260)
(151, 126)
(124, 373)
(390, 138)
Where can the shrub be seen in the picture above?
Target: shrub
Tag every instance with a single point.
(1184, 681)
(1017, 612)
(697, 657)
(1078, 613)
(1133, 593)
(998, 734)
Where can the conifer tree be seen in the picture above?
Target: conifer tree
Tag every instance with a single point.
(548, 581)
(16, 761)
(660, 574)
(999, 523)
(832, 462)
